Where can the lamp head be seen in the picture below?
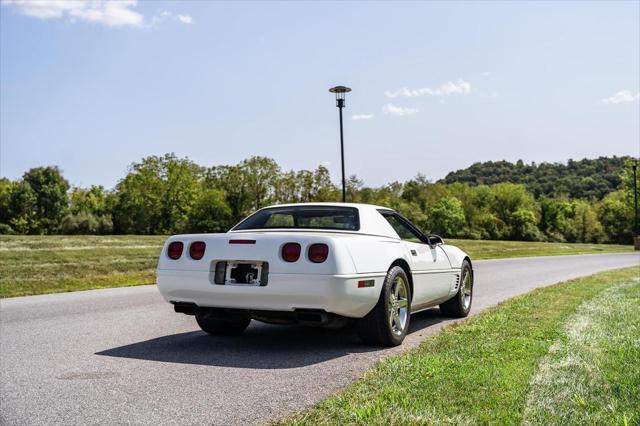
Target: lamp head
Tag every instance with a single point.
(340, 92)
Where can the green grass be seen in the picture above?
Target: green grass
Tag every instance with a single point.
(50, 264)
(509, 365)
(481, 249)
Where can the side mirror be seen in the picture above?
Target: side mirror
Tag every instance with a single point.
(435, 240)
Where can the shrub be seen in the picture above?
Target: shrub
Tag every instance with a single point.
(6, 229)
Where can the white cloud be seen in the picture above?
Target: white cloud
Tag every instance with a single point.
(361, 116)
(391, 109)
(165, 15)
(42, 9)
(458, 87)
(623, 96)
(111, 13)
(185, 19)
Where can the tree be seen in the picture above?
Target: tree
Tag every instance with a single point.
(261, 175)
(51, 199)
(157, 195)
(210, 212)
(6, 192)
(22, 209)
(555, 214)
(92, 200)
(233, 182)
(447, 218)
(516, 209)
(523, 225)
(323, 188)
(353, 185)
(616, 216)
(585, 224)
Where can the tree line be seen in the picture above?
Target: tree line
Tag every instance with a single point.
(587, 178)
(167, 194)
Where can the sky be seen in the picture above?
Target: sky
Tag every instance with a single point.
(93, 86)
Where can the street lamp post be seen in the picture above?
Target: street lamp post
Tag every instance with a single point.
(340, 91)
(636, 229)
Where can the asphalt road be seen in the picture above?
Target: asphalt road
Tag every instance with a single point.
(122, 356)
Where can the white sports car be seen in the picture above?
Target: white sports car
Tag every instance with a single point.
(317, 264)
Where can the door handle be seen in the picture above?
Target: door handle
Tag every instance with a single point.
(414, 253)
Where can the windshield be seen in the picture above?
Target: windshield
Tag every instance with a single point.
(303, 217)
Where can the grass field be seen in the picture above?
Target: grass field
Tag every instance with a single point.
(482, 249)
(564, 355)
(49, 264)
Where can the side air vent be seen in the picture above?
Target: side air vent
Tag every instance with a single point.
(457, 282)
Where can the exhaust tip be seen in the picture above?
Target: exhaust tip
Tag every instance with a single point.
(312, 317)
(185, 308)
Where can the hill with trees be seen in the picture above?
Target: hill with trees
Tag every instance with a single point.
(586, 179)
(168, 195)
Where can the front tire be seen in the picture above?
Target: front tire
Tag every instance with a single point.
(217, 326)
(388, 321)
(460, 304)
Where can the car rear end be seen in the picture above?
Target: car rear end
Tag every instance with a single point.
(287, 272)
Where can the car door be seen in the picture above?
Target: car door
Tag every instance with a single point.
(430, 267)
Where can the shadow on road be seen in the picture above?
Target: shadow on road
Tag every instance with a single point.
(262, 346)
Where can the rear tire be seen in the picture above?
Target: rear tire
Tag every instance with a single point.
(460, 304)
(232, 326)
(388, 321)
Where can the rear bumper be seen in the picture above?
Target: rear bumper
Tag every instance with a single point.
(338, 294)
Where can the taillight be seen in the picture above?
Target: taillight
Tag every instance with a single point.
(318, 252)
(196, 250)
(175, 250)
(291, 252)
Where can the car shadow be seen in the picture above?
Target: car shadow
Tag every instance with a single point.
(261, 346)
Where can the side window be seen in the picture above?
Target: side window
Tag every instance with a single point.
(401, 228)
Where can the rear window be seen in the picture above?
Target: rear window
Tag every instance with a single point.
(303, 217)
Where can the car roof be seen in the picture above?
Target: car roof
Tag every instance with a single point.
(371, 221)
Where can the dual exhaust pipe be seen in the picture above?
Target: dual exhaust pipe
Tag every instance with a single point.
(313, 317)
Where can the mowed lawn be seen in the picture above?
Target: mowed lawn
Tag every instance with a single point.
(563, 355)
(482, 249)
(49, 264)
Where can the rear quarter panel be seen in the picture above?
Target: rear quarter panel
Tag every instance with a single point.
(372, 254)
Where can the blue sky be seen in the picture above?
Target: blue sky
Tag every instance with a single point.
(92, 87)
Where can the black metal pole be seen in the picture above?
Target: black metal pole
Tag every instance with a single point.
(344, 182)
(636, 230)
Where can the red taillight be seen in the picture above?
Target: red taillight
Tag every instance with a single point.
(318, 252)
(175, 250)
(196, 250)
(291, 252)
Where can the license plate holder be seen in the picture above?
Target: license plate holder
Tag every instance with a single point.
(246, 273)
